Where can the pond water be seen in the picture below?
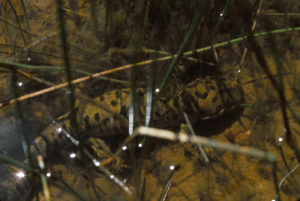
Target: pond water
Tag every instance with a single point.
(243, 93)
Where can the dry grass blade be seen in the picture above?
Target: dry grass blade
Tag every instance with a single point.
(34, 44)
(182, 137)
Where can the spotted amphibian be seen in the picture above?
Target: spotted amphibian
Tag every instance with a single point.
(203, 98)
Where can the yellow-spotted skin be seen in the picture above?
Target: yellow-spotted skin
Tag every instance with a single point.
(203, 98)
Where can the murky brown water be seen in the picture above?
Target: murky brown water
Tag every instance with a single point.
(228, 176)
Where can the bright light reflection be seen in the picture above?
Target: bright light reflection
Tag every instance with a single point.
(112, 176)
(48, 174)
(172, 167)
(280, 139)
(124, 148)
(239, 70)
(20, 84)
(157, 90)
(20, 174)
(96, 163)
(140, 145)
(72, 155)
(58, 130)
(28, 59)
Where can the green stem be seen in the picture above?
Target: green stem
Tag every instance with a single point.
(18, 28)
(189, 34)
(25, 17)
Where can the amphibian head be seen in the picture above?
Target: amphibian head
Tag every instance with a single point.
(211, 97)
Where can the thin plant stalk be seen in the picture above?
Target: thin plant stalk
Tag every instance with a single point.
(202, 151)
(33, 44)
(275, 179)
(142, 63)
(18, 21)
(94, 18)
(283, 103)
(17, 27)
(67, 64)
(188, 36)
(44, 179)
(19, 109)
(221, 18)
(166, 188)
(25, 18)
(15, 163)
(71, 95)
(182, 137)
(287, 175)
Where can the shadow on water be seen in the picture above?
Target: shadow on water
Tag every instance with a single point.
(215, 126)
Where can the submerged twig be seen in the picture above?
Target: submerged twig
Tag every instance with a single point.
(34, 44)
(287, 175)
(194, 134)
(167, 186)
(182, 137)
